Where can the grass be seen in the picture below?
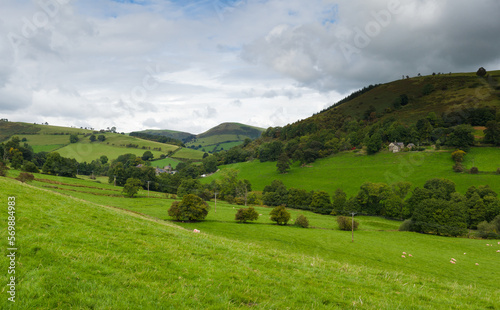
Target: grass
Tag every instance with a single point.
(187, 153)
(111, 258)
(350, 170)
(165, 162)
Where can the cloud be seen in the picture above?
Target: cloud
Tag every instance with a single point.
(134, 64)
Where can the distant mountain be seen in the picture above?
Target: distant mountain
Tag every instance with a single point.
(220, 137)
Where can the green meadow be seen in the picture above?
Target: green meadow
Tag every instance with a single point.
(349, 171)
(83, 246)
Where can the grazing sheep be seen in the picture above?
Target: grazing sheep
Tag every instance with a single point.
(403, 256)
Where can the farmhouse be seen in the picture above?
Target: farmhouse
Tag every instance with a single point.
(396, 147)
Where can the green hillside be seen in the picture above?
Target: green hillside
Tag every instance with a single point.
(349, 170)
(436, 93)
(111, 258)
(44, 138)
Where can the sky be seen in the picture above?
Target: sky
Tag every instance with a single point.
(191, 65)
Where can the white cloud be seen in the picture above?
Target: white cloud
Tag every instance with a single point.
(187, 65)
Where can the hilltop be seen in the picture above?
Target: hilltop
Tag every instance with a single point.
(220, 137)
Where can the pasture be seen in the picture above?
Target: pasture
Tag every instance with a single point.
(113, 258)
(350, 170)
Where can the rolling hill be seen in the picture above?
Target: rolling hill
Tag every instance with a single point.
(220, 137)
(45, 138)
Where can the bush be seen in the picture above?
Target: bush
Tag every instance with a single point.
(239, 201)
(345, 223)
(280, 215)
(3, 169)
(458, 156)
(458, 167)
(302, 221)
(487, 230)
(25, 177)
(405, 226)
(191, 208)
(498, 171)
(474, 170)
(246, 214)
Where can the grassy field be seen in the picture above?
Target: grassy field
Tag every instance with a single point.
(350, 170)
(112, 258)
(165, 162)
(186, 153)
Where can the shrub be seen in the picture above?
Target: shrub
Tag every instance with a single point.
(405, 226)
(498, 171)
(458, 167)
(481, 72)
(246, 214)
(3, 169)
(191, 208)
(487, 230)
(25, 177)
(239, 201)
(345, 223)
(302, 221)
(474, 170)
(280, 215)
(458, 156)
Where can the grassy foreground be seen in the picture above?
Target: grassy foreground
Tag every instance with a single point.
(77, 254)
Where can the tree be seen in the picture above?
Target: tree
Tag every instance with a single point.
(191, 208)
(338, 201)
(104, 159)
(148, 155)
(16, 158)
(461, 137)
(275, 194)
(131, 187)
(246, 214)
(101, 138)
(189, 186)
(283, 163)
(92, 138)
(299, 199)
(458, 156)
(492, 133)
(370, 196)
(439, 216)
(280, 215)
(321, 202)
(29, 166)
(73, 138)
(374, 144)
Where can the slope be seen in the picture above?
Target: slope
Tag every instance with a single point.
(224, 136)
(111, 259)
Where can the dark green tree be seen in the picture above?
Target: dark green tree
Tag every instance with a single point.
(339, 200)
(283, 163)
(147, 156)
(73, 138)
(492, 133)
(101, 138)
(321, 203)
(92, 138)
(374, 144)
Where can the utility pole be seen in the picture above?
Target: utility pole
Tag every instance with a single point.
(352, 226)
(215, 206)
